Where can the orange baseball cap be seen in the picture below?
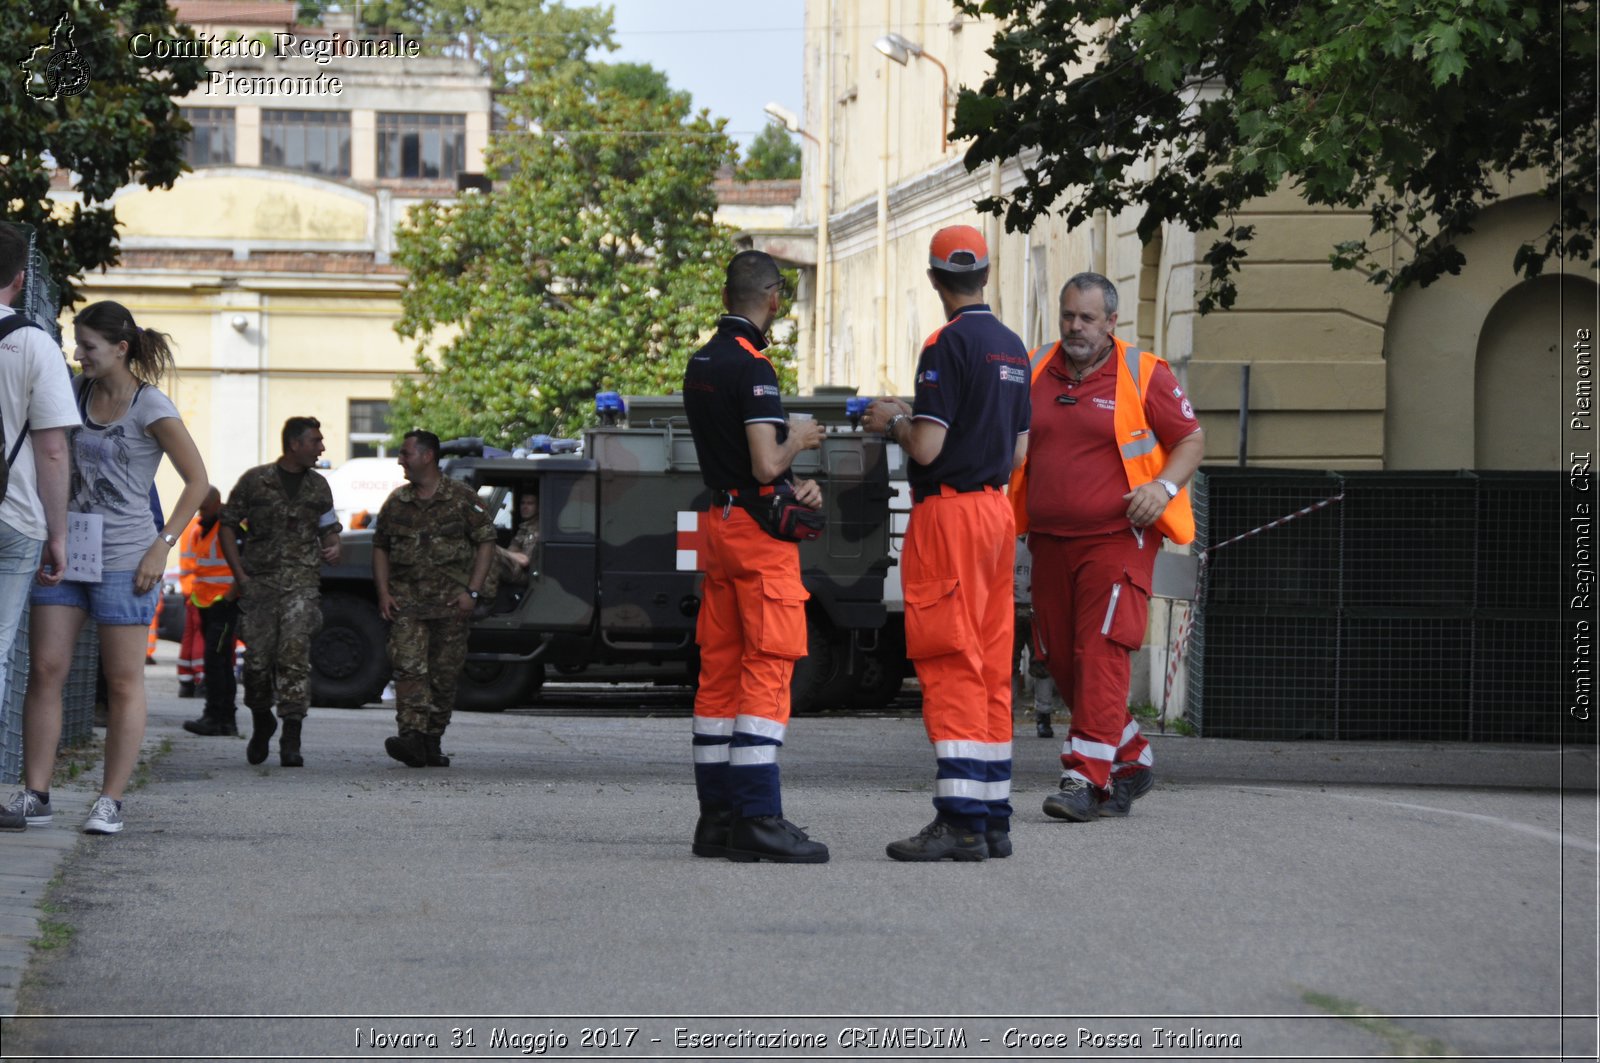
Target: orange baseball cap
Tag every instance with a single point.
(958, 240)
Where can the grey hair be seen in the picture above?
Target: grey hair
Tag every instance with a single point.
(1084, 281)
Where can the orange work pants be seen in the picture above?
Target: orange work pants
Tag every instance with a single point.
(751, 629)
(958, 568)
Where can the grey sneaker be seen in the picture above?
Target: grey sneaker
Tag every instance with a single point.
(1126, 789)
(1077, 801)
(104, 818)
(34, 811)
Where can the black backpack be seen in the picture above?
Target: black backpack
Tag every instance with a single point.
(7, 327)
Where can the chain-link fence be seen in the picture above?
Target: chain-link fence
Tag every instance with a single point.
(1420, 606)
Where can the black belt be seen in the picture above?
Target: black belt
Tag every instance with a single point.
(920, 493)
(740, 496)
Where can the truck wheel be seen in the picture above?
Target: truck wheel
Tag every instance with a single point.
(349, 656)
(883, 671)
(812, 672)
(821, 682)
(495, 686)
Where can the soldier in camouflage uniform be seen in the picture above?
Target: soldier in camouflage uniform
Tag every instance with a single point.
(280, 510)
(431, 553)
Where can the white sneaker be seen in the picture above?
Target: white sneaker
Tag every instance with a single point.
(23, 803)
(104, 818)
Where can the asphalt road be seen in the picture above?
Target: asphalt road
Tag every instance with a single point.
(1337, 901)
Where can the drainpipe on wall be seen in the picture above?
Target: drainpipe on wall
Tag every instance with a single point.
(823, 369)
(882, 384)
(1244, 412)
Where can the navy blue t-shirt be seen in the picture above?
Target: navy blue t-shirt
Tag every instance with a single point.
(972, 378)
(727, 385)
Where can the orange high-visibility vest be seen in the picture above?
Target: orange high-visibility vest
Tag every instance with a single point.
(1143, 456)
(203, 573)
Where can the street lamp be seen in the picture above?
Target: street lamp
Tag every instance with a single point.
(789, 120)
(900, 50)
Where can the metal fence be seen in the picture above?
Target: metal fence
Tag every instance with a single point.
(1419, 606)
(78, 698)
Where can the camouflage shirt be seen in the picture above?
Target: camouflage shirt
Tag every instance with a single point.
(282, 536)
(431, 544)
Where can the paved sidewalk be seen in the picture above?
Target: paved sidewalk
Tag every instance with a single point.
(547, 874)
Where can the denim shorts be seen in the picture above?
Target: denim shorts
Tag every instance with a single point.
(111, 601)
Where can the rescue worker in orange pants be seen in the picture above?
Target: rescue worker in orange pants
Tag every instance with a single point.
(752, 623)
(1114, 443)
(210, 594)
(965, 433)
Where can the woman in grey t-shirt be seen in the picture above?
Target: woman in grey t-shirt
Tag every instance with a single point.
(127, 426)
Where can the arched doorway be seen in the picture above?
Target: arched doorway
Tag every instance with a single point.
(1520, 403)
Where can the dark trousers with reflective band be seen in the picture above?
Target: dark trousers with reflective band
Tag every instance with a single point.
(428, 655)
(958, 569)
(219, 626)
(751, 629)
(1091, 600)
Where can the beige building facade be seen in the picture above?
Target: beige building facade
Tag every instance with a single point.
(1341, 376)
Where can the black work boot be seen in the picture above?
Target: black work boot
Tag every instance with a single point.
(289, 745)
(432, 753)
(772, 838)
(999, 843)
(407, 747)
(1042, 725)
(711, 830)
(186, 688)
(941, 840)
(212, 726)
(266, 725)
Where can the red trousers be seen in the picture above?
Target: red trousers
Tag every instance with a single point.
(192, 650)
(958, 568)
(751, 629)
(1091, 601)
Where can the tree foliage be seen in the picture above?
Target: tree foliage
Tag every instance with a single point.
(1406, 109)
(122, 127)
(773, 154)
(595, 264)
(511, 40)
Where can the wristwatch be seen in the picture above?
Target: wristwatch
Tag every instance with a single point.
(472, 594)
(1168, 486)
(169, 538)
(889, 428)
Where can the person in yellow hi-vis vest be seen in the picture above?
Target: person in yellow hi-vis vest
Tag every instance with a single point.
(209, 589)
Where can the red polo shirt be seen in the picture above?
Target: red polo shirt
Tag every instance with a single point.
(1075, 475)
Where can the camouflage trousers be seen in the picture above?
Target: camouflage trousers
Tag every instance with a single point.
(427, 655)
(277, 627)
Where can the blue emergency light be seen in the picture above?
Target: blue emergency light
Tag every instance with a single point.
(610, 407)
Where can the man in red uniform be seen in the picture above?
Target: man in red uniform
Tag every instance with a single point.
(966, 432)
(1114, 443)
(752, 622)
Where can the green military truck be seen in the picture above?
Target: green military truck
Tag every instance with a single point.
(612, 594)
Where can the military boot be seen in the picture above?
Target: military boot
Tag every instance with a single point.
(772, 838)
(407, 747)
(432, 754)
(289, 745)
(711, 830)
(212, 725)
(266, 725)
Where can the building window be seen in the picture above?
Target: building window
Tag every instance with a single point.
(211, 143)
(421, 145)
(310, 141)
(369, 428)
